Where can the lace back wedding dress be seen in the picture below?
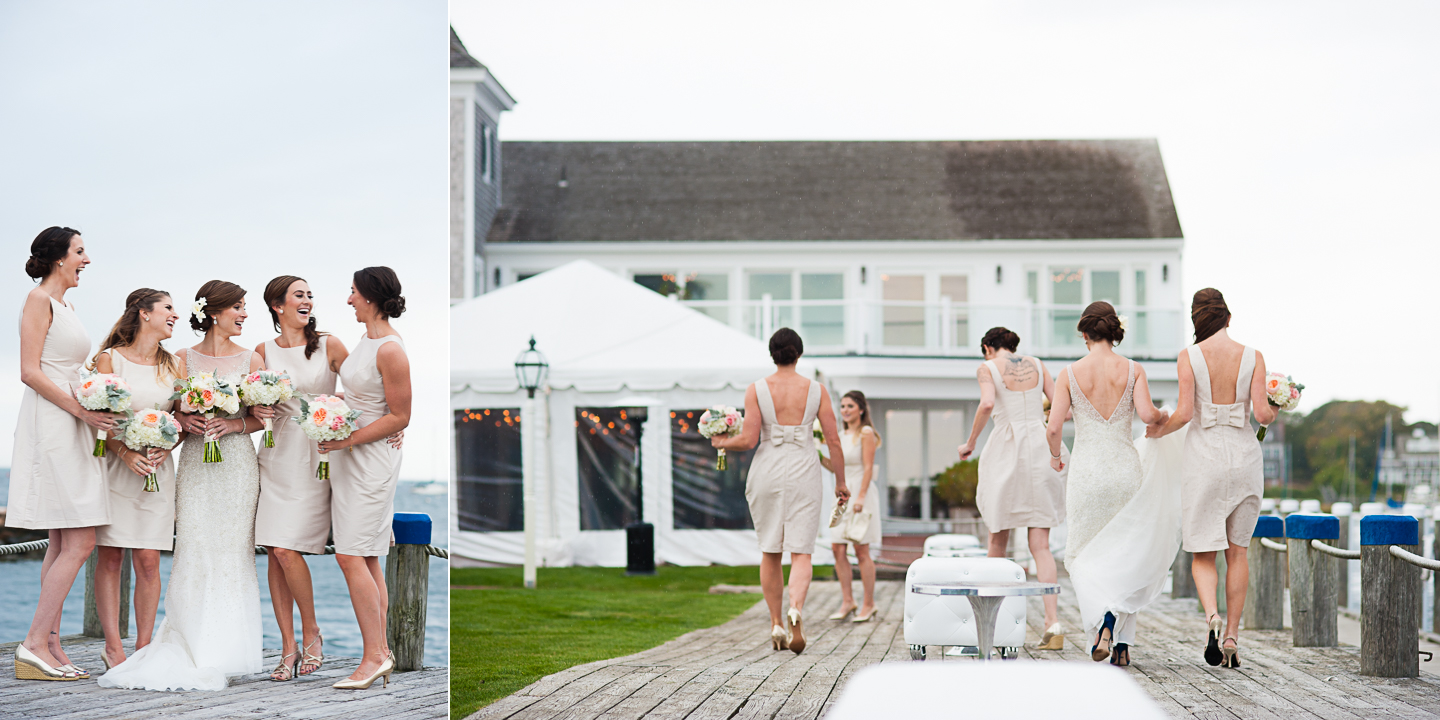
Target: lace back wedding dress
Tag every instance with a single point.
(211, 629)
(1123, 503)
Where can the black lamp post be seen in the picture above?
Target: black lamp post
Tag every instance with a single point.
(530, 371)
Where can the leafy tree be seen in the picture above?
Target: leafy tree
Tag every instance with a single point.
(1320, 441)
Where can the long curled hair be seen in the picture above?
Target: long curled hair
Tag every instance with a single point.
(123, 334)
(276, 292)
(859, 399)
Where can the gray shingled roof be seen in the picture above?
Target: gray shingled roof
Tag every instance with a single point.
(705, 191)
(459, 56)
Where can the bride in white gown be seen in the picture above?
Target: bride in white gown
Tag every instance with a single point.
(1123, 495)
(211, 629)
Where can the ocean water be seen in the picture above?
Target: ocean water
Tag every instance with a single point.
(20, 589)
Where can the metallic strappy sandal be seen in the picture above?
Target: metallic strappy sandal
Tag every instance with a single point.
(316, 660)
(285, 670)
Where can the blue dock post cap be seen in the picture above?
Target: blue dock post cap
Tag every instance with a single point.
(1269, 526)
(411, 529)
(1312, 526)
(1389, 530)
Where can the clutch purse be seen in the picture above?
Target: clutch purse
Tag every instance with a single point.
(856, 525)
(837, 514)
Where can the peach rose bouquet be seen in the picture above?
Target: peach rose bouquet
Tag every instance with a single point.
(326, 417)
(103, 391)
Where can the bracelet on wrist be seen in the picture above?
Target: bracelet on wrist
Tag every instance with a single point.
(1055, 457)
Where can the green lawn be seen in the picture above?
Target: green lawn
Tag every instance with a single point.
(505, 638)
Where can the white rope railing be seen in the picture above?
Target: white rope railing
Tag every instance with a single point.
(1277, 547)
(1333, 551)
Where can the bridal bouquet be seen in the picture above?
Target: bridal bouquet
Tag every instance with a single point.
(103, 391)
(266, 387)
(147, 429)
(721, 420)
(326, 417)
(1281, 391)
(819, 436)
(205, 394)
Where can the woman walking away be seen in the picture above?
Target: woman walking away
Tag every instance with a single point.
(1017, 487)
(55, 482)
(1122, 495)
(784, 487)
(1223, 473)
(858, 441)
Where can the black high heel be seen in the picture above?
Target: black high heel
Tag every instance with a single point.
(1106, 634)
(1232, 654)
(1213, 656)
(1121, 656)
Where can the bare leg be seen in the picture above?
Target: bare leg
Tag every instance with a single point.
(1202, 568)
(147, 593)
(1045, 571)
(1237, 581)
(999, 542)
(107, 600)
(800, 572)
(377, 572)
(845, 576)
(283, 601)
(368, 613)
(289, 571)
(772, 583)
(867, 577)
(69, 549)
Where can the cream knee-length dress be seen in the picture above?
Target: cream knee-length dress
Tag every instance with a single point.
(1017, 487)
(363, 477)
(851, 446)
(294, 510)
(1224, 473)
(55, 482)
(140, 519)
(784, 487)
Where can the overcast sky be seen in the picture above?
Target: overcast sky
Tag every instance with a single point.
(189, 141)
(1299, 138)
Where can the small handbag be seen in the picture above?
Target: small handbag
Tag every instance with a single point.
(838, 513)
(856, 525)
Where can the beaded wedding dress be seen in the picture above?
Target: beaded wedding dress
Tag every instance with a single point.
(1123, 504)
(211, 629)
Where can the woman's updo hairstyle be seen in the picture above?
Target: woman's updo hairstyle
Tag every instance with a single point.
(1001, 339)
(218, 295)
(49, 247)
(276, 293)
(786, 347)
(1209, 313)
(381, 286)
(1100, 323)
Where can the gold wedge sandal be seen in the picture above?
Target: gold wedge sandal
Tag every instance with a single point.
(1053, 638)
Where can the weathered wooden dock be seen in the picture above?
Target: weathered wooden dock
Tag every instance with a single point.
(420, 694)
(729, 671)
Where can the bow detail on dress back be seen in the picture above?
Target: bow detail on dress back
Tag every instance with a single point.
(777, 434)
(781, 434)
(1232, 415)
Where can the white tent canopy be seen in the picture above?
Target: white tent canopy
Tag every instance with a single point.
(609, 343)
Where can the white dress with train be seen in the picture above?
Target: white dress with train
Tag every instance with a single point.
(1123, 502)
(211, 629)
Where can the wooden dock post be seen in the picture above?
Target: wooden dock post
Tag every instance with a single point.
(1265, 602)
(1313, 580)
(92, 626)
(1342, 511)
(1182, 581)
(407, 578)
(1389, 597)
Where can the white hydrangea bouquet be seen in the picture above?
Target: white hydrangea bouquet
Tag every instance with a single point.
(206, 394)
(721, 420)
(147, 429)
(326, 417)
(103, 391)
(266, 387)
(1281, 391)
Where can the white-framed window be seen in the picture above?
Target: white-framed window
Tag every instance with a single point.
(487, 154)
(920, 309)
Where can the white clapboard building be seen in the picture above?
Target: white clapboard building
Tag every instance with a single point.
(890, 258)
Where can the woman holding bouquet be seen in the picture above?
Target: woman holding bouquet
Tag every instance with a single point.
(784, 487)
(56, 484)
(212, 605)
(142, 521)
(1223, 475)
(858, 442)
(377, 384)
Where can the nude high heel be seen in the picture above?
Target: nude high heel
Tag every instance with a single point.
(1053, 639)
(1213, 655)
(779, 639)
(797, 640)
(381, 672)
(1231, 654)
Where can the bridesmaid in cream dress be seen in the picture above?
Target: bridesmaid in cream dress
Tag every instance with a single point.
(858, 441)
(55, 482)
(1017, 487)
(783, 487)
(142, 521)
(376, 377)
(293, 516)
(1223, 475)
